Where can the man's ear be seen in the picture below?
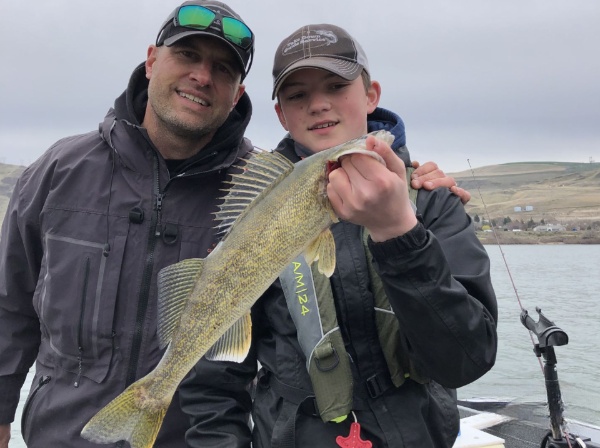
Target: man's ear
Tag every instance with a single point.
(150, 59)
(240, 92)
(373, 96)
(281, 116)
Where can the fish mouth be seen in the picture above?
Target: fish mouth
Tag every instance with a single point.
(193, 98)
(331, 166)
(357, 146)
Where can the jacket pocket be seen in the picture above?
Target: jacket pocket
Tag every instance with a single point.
(31, 400)
(76, 301)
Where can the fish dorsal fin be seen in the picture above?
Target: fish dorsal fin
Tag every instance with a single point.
(234, 345)
(322, 249)
(260, 174)
(175, 283)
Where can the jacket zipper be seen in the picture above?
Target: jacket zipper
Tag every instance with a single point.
(144, 295)
(41, 383)
(86, 278)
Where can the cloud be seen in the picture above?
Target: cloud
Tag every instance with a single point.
(495, 82)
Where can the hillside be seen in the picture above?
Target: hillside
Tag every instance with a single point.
(8, 177)
(566, 193)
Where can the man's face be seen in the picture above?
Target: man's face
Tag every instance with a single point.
(321, 110)
(194, 84)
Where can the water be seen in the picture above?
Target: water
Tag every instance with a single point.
(564, 281)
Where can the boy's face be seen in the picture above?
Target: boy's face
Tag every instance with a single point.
(321, 110)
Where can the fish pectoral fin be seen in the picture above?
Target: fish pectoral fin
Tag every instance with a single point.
(234, 345)
(322, 249)
(175, 283)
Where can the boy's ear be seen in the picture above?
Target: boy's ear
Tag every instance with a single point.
(281, 116)
(373, 96)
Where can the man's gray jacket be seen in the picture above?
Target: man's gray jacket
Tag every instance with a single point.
(89, 226)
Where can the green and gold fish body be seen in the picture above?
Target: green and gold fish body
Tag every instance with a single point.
(274, 211)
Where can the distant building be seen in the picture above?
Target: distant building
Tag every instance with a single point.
(518, 209)
(549, 228)
(529, 208)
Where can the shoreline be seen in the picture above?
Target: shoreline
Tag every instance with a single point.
(530, 237)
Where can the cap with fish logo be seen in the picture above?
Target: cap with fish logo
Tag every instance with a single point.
(323, 46)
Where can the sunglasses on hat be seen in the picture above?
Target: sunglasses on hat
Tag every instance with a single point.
(200, 18)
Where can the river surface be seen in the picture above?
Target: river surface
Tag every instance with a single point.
(562, 280)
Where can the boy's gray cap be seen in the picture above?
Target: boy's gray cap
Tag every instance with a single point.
(323, 46)
(169, 33)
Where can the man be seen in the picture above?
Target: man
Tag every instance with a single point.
(95, 218)
(98, 215)
(409, 313)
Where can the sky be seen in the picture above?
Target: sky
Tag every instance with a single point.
(477, 82)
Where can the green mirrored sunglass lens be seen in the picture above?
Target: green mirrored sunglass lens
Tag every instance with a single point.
(195, 17)
(237, 32)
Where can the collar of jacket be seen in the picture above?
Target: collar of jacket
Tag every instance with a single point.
(386, 119)
(122, 130)
(287, 148)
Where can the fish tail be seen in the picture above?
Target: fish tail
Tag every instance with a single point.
(132, 416)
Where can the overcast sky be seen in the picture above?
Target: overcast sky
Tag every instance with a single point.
(488, 81)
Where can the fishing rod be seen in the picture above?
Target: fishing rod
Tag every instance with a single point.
(548, 336)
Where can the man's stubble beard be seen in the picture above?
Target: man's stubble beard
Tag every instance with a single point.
(170, 122)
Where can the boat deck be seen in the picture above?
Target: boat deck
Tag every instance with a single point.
(525, 424)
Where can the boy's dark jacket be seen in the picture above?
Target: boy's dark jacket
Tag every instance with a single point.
(62, 301)
(438, 282)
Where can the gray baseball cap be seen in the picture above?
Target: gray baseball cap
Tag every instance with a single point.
(322, 46)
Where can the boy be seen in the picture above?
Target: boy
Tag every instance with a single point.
(414, 313)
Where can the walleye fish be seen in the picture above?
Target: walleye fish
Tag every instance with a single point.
(273, 212)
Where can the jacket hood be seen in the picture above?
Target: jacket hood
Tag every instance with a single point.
(383, 119)
(130, 108)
